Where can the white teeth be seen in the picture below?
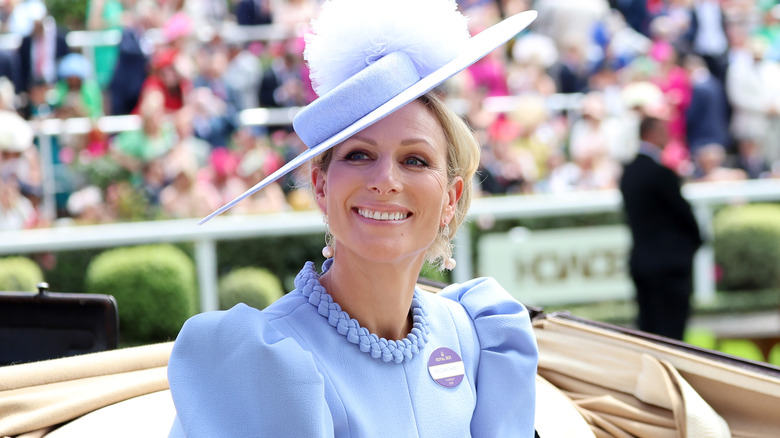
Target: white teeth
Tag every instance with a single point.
(381, 216)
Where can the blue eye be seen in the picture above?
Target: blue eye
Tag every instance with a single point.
(356, 156)
(415, 161)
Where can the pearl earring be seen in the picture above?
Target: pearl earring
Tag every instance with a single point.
(328, 252)
(449, 264)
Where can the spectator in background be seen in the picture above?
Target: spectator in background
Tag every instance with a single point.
(86, 206)
(187, 196)
(750, 159)
(573, 69)
(282, 84)
(596, 132)
(76, 94)
(177, 30)
(253, 166)
(9, 66)
(673, 81)
(222, 167)
(253, 12)
(166, 80)
(489, 74)
(131, 66)
(7, 95)
(295, 15)
(105, 15)
(22, 16)
(184, 121)
(753, 88)
(211, 118)
(155, 138)
(710, 162)
(206, 14)
(535, 136)
(707, 35)
(243, 72)
(707, 116)
(665, 236)
(222, 100)
(154, 181)
(533, 55)
(504, 167)
(16, 211)
(20, 176)
(40, 51)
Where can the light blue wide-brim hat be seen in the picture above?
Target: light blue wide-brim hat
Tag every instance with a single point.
(388, 81)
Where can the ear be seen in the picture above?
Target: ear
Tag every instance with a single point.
(318, 181)
(454, 193)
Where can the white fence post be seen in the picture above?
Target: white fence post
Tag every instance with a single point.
(206, 263)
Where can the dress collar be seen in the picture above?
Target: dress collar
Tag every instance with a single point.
(307, 283)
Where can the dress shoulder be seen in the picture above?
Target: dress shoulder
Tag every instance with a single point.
(233, 374)
(507, 358)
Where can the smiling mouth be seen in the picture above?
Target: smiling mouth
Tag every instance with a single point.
(382, 215)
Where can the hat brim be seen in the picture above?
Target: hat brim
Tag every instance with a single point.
(477, 47)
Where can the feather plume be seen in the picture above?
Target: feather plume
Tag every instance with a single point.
(349, 35)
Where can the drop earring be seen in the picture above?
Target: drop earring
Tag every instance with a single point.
(449, 263)
(328, 251)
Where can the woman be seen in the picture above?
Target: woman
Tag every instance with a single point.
(358, 350)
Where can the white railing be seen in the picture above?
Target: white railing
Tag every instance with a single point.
(704, 197)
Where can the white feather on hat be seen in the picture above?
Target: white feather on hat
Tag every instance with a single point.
(349, 35)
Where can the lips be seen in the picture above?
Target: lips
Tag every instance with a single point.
(382, 215)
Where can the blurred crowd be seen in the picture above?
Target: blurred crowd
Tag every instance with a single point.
(556, 110)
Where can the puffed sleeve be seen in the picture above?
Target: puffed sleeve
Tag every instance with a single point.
(233, 375)
(505, 380)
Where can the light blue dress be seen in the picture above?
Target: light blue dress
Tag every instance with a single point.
(303, 368)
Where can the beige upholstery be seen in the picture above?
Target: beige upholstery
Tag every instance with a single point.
(592, 382)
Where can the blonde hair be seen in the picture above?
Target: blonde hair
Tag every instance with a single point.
(462, 161)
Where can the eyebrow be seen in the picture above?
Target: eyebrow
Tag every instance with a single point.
(406, 142)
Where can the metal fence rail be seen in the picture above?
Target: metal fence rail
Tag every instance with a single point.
(703, 196)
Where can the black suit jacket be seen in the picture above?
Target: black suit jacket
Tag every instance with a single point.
(25, 58)
(707, 117)
(664, 230)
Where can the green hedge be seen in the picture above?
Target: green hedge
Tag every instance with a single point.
(154, 286)
(747, 247)
(256, 287)
(19, 274)
(282, 255)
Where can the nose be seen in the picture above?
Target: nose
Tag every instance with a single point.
(385, 178)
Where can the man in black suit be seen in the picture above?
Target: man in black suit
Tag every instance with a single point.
(665, 235)
(40, 52)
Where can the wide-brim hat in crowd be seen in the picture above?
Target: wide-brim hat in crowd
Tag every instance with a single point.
(368, 58)
(16, 134)
(75, 65)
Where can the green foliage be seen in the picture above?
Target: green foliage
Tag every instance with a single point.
(282, 255)
(19, 274)
(433, 273)
(102, 171)
(64, 271)
(256, 287)
(154, 286)
(68, 13)
(747, 246)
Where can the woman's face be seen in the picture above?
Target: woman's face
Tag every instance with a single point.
(386, 192)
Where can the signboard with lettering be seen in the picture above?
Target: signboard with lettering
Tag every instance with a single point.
(562, 266)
